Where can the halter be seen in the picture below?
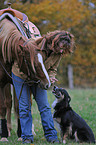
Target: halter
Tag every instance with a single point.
(25, 81)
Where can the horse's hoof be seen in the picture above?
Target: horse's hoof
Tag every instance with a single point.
(4, 139)
(19, 139)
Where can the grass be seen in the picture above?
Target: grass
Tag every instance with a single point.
(83, 101)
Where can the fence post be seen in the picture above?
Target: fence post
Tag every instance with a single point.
(70, 76)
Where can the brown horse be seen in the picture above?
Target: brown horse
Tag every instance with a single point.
(16, 47)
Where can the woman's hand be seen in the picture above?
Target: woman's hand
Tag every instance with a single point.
(53, 80)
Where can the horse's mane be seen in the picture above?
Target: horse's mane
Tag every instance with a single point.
(11, 38)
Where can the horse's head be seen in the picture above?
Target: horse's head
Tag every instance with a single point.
(17, 47)
(32, 65)
(60, 42)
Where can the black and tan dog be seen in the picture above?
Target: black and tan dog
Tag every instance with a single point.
(71, 124)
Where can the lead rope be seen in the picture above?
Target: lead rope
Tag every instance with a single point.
(28, 100)
(21, 90)
(25, 82)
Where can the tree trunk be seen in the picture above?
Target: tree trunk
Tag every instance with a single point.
(70, 76)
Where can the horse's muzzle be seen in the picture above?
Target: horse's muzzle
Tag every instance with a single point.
(46, 86)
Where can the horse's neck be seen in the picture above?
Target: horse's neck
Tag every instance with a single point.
(44, 47)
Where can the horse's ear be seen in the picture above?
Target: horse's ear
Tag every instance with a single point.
(38, 40)
(21, 47)
(20, 38)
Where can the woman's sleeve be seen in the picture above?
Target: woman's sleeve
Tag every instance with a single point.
(52, 64)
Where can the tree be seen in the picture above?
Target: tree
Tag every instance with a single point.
(77, 17)
(2, 6)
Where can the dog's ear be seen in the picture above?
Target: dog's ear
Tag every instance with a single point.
(66, 94)
(61, 95)
(69, 98)
(55, 87)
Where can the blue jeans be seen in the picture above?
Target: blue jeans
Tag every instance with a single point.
(25, 110)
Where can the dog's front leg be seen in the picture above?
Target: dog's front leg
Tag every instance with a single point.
(65, 135)
(64, 138)
(76, 137)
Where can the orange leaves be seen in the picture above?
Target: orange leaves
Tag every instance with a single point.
(69, 15)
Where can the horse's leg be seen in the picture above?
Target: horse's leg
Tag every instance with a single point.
(19, 130)
(8, 102)
(16, 109)
(3, 122)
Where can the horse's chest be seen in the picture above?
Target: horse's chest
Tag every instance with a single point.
(4, 72)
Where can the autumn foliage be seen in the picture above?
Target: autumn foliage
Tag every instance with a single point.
(77, 17)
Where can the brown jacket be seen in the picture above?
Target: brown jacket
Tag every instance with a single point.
(52, 63)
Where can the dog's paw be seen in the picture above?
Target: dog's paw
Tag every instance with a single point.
(64, 141)
(20, 139)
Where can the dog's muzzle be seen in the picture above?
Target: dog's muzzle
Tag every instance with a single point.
(56, 92)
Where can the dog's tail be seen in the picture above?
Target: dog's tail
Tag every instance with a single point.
(92, 137)
(86, 135)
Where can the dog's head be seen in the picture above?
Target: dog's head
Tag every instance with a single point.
(62, 97)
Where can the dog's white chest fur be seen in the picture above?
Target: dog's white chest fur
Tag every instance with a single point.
(54, 103)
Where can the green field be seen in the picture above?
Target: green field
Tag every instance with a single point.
(83, 101)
